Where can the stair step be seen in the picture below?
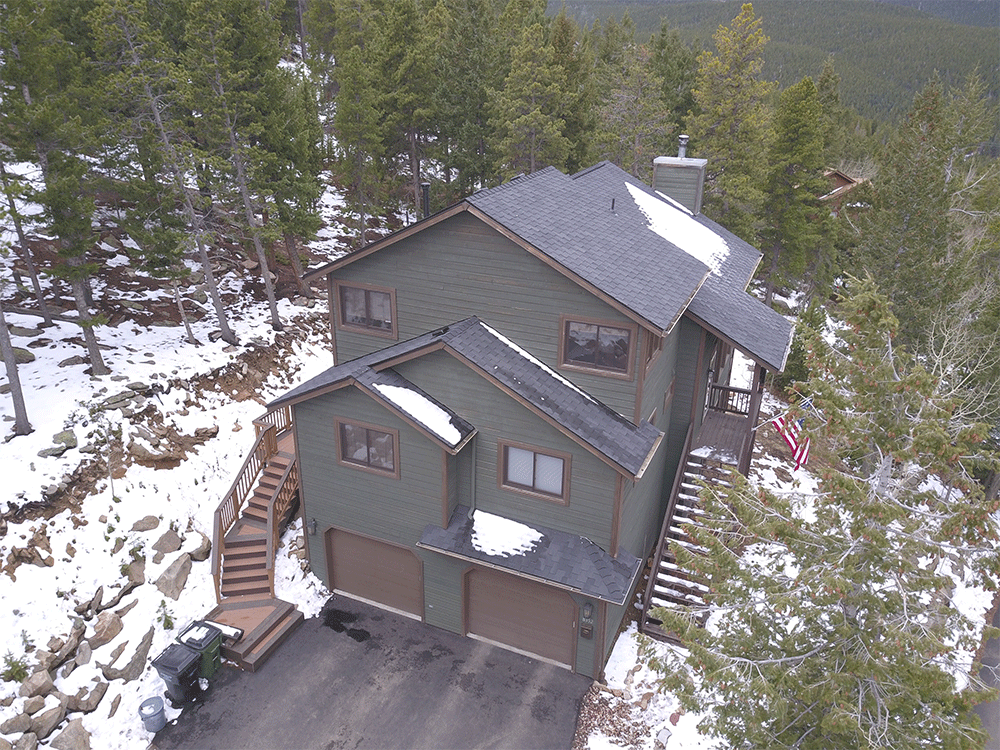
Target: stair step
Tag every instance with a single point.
(246, 588)
(246, 575)
(256, 646)
(234, 564)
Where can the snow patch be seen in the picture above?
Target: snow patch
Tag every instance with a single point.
(425, 411)
(502, 537)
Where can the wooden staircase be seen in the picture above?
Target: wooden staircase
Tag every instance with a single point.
(248, 523)
(667, 584)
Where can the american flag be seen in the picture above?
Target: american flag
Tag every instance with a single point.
(790, 430)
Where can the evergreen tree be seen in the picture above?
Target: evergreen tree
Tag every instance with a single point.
(798, 228)
(573, 56)
(527, 114)
(731, 127)
(676, 63)
(830, 619)
(634, 120)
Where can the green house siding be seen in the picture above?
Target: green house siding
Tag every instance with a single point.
(349, 498)
(498, 417)
(443, 595)
(462, 267)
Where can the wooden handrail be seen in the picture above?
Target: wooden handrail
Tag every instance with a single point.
(279, 505)
(280, 419)
(731, 400)
(667, 518)
(231, 505)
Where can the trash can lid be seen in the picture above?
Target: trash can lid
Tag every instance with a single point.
(176, 659)
(151, 706)
(199, 635)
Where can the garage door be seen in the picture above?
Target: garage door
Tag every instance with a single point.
(528, 616)
(376, 571)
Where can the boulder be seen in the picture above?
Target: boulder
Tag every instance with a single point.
(46, 660)
(136, 665)
(114, 705)
(20, 723)
(44, 723)
(26, 332)
(40, 683)
(203, 550)
(27, 741)
(4, 745)
(169, 542)
(33, 706)
(146, 524)
(54, 452)
(84, 653)
(108, 625)
(76, 359)
(172, 581)
(137, 572)
(23, 356)
(85, 702)
(66, 437)
(74, 737)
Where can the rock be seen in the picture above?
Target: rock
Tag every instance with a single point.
(7, 700)
(70, 551)
(117, 652)
(20, 723)
(137, 572)
(76, 359)
(74, 737)
(54, 452)
(91, 702)
(127, 608)
(66, 437)
(136, 665)
(84, 653)
(23, 356)
(95, 603)
(40, 683)
(114, 705)
(146, 524)
(4, 745)
(139, 385)
(68, 669)
(169, 542)
(26, 332)
(108, 625)
(33, 706)
(203, 550)
(46, 660)
(55, 643)
(172, 581)
(44, 723)
(28, 741)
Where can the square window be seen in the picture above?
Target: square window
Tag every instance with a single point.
(535, 472)
(368, 447)
(367, 308)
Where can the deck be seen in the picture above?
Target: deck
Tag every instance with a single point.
(723, 437)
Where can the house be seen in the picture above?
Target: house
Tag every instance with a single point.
(516, 380)
(840, 185)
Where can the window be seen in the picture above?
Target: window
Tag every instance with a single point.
(654, 345)
(369, 308)
(527, 470)
(596, 346)
(368, 447)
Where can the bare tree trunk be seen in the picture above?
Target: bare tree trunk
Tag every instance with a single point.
(300, 9)
(293, 257)
(21, 424)
(180, 306)
(25, 253)
(87, 324)
(415, 171)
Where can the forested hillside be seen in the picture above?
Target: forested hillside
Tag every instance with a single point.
(884, 52)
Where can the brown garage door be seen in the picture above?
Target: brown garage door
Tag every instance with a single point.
(376, 571)
(529, 616)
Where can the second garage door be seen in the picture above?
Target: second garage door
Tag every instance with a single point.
(529, 616)
(379, 572)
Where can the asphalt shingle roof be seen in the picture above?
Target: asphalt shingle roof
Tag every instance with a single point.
(610, 434)
(567, 560)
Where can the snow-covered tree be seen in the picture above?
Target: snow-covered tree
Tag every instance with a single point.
(840, 619)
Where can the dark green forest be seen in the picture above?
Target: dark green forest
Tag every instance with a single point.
(883, 52)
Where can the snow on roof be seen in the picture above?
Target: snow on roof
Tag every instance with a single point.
(425, 411)
(679, 227)
(500, 536)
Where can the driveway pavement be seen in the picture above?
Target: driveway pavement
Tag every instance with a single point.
(360, 677)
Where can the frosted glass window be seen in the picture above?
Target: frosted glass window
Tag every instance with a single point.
(525, 469)
(548, 474)
(520, 466)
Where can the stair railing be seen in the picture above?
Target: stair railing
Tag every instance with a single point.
(232, 503)
(281, 419)
(667, 520)
(726, 398)
(279, 505)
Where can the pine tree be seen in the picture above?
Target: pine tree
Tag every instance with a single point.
(798, 230)
(527, 114)
(573, 56)
(830, 620)
(731, 126)
(676, 63)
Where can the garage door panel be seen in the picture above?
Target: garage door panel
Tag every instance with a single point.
(524, 614)
(375, 570)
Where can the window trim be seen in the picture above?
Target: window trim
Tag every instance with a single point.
(632, 329)
(390, 333)
(392, 432)
(654, 348)
(502, 483)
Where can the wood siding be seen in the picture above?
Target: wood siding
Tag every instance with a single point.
(461, 267)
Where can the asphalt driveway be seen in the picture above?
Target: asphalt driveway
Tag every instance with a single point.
(360, 677)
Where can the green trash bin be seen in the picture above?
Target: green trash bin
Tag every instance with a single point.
(206, 640)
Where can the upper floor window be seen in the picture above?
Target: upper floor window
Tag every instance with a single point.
(654, 345)
(368, 447)
(370, 308)
(528, 470)
(597, 346)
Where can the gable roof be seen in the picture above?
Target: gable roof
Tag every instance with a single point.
(595, 426)
(566, 560)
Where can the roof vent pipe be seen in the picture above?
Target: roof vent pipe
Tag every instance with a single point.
(682, 151)
(425, 198)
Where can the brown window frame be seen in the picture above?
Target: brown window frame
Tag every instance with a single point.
(633, 332)
(342, 323)
(364, 465)
(504, 445)
(668, 395)
(654, 348)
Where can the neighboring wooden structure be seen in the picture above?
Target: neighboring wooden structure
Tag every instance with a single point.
(516, 380)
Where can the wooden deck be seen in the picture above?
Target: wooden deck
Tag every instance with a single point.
(722, 438)
(265, 622)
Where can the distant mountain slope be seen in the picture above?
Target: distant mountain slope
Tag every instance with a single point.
(884, 52)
